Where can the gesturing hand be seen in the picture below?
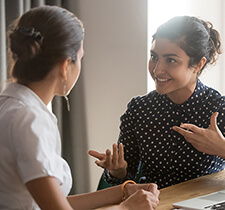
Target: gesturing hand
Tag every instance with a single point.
(210, 140)
(115, 162)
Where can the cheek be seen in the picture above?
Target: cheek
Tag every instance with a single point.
(151, 67)
(183, 75)
(74, 75)
(77, 72)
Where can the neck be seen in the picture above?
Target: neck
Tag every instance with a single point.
(45, 90)
(182, 95)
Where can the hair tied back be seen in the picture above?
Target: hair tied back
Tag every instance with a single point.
(29, 32)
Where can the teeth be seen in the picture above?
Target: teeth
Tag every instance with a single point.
(162, 80)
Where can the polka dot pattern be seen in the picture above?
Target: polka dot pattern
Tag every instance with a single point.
(147, 134)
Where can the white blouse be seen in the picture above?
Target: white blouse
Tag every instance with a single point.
(30, 147)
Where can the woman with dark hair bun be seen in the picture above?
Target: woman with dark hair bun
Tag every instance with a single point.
(181, 49)
(46, 45)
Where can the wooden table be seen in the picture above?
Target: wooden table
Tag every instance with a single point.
(190, 189)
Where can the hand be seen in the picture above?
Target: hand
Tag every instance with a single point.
(132, 188)
(210, 140)
(115, 162)
(141, 200)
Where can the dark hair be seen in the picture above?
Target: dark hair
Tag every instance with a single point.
(41, 38)
(196, 37)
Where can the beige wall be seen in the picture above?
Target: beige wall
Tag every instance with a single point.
(114, 67)
(115, 63)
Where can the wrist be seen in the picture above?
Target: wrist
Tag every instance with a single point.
(124, 189)
(119, 173)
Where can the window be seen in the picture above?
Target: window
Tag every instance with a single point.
(159, 11)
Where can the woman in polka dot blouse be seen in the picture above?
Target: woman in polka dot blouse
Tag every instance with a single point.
(149, 130)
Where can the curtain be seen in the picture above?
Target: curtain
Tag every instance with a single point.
(71, 124)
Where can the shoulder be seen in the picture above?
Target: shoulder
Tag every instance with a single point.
(31, 124)
(213, 95)
(29, 114)
(144, 99)
(212, 101)
(140, 104)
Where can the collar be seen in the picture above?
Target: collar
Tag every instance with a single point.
(25, 95)
(200, 88)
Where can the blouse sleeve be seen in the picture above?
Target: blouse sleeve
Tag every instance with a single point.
(131, 149)
(35, 144)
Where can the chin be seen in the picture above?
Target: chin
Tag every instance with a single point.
(161, 91)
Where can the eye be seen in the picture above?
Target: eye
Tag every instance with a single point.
(154, 57)
(171, 60)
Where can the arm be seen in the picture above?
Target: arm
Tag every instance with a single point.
(48, 195)
(210, 140)
(140, 196)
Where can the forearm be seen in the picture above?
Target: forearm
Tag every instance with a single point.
(109, 196)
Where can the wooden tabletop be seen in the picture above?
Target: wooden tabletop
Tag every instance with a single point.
(190, 189)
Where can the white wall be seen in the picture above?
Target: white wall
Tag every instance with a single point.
(114, 67)
(213, 11)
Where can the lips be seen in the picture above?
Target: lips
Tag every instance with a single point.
(161, 79)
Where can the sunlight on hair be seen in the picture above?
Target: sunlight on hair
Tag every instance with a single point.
(159, 11)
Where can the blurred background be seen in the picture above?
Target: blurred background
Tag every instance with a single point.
(114, 69)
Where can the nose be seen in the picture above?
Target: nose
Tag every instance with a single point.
(158, 68)
(155, 67)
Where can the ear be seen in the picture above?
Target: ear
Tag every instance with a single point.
(64, 67)
(200, 65)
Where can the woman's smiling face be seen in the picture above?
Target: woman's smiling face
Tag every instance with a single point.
(169, 68)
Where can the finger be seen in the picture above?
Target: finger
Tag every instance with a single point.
(154, 202)
(108, 157)
(121, 152)
(182, 131)
(191, 127)
(96, 154)
(153, 199)
(213, 121)
(115, 154)
(154, 189)
(100, 164)
(188, 135)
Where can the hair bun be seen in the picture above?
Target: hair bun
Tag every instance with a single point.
(29, 32)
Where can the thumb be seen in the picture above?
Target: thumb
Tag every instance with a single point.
(213, 121)
(96, 154)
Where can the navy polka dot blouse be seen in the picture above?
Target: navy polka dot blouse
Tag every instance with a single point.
(148, 138)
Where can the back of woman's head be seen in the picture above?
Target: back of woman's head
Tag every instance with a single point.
(196, 37)
(41, 38)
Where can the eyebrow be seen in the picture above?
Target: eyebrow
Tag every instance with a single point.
(165, 55)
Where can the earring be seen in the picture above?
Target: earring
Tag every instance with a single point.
(65, 96)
